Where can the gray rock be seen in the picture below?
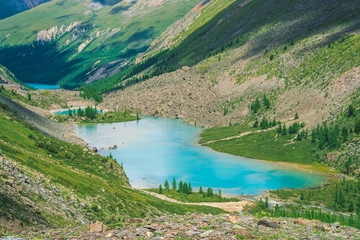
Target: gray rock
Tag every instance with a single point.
(55, 189)
(122, 233)
(268, 224)
(191, 233)
(335, 226)
(206, 233)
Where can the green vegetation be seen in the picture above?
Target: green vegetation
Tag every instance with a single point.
(91, 115)
(319, 52)
(217, 133)
(268, 146)
(90, 93)
(183, 192)
(108, 37)
(294, 211)
(99, 180)
(292, 144)
(341, 196)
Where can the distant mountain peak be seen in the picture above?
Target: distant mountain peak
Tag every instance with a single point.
(12, 7)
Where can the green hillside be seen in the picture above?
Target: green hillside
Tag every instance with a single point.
(302, 41)
(71, 42)
(52, 183)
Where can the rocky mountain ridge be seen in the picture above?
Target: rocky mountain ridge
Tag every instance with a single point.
(12, 7)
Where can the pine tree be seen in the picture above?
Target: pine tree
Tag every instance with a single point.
(273, 124)
(345, 134)
(80, 112)
(189, 189)
(219, 193)
(357, 126)
(166, 185)
(70, 112)
(185, 188)
(110, 155)
(255, 106)
(279, 129)
(264, 123)
(174, 184)
(266, 202)
(29, 96)
(208, 192)
(351, 111)
(201, 190)
(180, 188)
(256, 124)
(266, 102)
(160, 189)
(284, 130)
(296, 116)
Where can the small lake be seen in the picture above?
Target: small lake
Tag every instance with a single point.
(42, 86)
(155, 149)
(66, 112)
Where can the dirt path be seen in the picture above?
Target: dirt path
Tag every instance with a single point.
(239, 136)
(227, 206)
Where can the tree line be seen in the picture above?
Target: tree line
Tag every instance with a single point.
(185, 188)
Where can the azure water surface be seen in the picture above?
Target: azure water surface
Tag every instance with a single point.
(155, 149)
(42, 86)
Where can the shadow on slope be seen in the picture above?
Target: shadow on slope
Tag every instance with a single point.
(269, 24)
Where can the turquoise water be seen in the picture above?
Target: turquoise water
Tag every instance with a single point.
(42, 86)
(66, 112)
(155, 149)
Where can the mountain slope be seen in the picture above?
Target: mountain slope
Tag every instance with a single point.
(12, 7)
(73, 42)
(45, 182)
(300, 53)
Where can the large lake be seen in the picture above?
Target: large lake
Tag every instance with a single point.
(155, 149)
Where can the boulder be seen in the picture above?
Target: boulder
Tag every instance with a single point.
(109, 235)
(302, 221)
(206, 233)
(98, 227)
(233, 219)
(267, 223)
(335, 226)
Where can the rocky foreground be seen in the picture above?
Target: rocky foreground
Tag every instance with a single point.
(200, 226)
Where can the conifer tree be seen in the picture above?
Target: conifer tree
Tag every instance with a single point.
(180, 188)
(266, 102)
(166, 185)
(284, 130)
(201, 190)
(174, 184)
(160, 189)
(351, 111)
(357, 126)
(296, 116)
(185, 188)
(189, 189)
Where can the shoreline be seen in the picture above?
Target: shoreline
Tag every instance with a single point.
(308, 168)
(53, 111)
